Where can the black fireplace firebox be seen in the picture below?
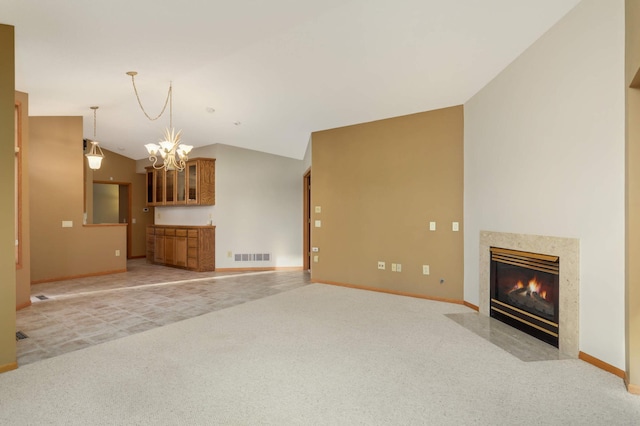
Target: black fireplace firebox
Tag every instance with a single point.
(525, 292)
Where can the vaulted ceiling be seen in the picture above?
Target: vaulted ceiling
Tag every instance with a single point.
(272, 71)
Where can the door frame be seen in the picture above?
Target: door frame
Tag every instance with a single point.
(306, 220)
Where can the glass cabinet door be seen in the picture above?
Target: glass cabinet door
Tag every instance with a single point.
(181, 186)
(170, 176)
(192, 174)
(150, 174)
(159, 187)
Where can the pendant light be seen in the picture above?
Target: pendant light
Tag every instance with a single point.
(95, 154)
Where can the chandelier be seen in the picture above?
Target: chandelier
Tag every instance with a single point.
(174, 155)
(95, 154)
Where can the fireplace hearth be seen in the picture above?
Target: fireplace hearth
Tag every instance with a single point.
(567, 249)
(524, 291)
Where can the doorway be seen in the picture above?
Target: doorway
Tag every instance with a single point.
(112, 204)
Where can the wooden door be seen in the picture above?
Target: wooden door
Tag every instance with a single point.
(170, 250)
(158, 254)
(306, 255)
(181, 247)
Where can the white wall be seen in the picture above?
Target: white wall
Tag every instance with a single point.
(258, 207)
(544, 154)
(306, 161)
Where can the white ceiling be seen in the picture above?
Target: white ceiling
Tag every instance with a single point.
(283, 68)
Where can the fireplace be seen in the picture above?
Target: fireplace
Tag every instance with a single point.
(524, 291)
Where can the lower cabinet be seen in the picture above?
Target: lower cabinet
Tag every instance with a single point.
(188, 247)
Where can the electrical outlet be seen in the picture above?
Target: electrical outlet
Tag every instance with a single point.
(399, 267)
(432, 226)
(117, 252)
(381, 265)
(393, 267)
(425, 269)
(229, 254)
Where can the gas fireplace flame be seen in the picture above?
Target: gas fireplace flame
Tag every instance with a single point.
(534, 286)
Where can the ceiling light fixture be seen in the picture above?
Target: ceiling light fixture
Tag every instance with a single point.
(95, 155)
(174, 155)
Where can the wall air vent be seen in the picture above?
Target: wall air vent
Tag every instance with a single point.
(252, 257)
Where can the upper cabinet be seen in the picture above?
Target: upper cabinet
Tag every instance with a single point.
(193, 186)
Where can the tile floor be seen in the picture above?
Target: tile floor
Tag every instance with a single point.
(86, 311)
(518, 343)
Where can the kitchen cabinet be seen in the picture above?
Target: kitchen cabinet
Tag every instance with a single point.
(195, 185)
(188, 247)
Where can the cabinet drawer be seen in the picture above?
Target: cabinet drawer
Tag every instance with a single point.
(193, 233)
(170, 232)
(159, 231)
(181, 232)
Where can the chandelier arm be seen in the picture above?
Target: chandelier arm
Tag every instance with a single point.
(166, 102)
(155, 161)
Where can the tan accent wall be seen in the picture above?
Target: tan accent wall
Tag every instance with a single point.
(7, 244)
(120, 169)
(632, 261)
(23, 272)
(378, 186)
(56, 178)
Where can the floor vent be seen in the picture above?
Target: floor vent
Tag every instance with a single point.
(252, 257)
(42, 297)
(20, 335)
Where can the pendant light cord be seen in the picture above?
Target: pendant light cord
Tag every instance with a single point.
(95, 110)
(168, 101)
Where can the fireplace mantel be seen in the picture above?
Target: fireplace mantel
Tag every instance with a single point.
(568, 249)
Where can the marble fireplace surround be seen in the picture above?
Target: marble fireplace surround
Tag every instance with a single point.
(568, 249)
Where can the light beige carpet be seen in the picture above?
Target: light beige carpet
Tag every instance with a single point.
(319, 355)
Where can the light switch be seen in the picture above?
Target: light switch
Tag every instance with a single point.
(432, 226)
(318, 209)
(455, 226)
(318, 224)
